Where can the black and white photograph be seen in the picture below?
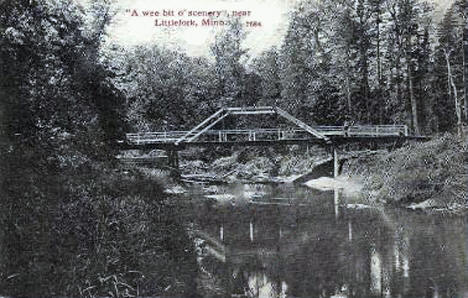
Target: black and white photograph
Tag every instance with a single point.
(234, 148)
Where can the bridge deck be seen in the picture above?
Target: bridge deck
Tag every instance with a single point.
(270, 135)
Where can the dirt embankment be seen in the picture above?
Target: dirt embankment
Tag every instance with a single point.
(433, 174)
(255, 165)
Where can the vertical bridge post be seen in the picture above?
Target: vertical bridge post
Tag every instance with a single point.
(173, 158)
(336, 163)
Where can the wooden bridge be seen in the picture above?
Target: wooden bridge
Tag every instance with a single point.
(300, 133)
(203, 134)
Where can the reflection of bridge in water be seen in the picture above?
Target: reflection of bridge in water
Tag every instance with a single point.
(300, 133)
(268, 251)
(320, 250)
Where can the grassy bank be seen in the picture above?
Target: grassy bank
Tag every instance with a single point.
(433, 173)
(90, 230)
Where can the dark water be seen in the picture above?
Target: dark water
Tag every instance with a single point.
(295, 242)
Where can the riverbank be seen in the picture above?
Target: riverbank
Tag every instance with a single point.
(429, 175)
(254, 165)
(425, 175)
(87, 228)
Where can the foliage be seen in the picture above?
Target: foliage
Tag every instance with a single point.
(71, 225)
(164, 89)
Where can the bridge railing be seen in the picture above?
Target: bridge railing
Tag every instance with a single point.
(151, 137)
(378, 130)
(270, 133)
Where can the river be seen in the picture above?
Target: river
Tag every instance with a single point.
(292, 241)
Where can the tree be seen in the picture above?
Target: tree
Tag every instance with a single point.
(164, 89)
(55, 96)
(465, 58)
(228, 53)
(266, 66)
(449, 58)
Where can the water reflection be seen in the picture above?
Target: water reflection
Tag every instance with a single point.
(315, 247)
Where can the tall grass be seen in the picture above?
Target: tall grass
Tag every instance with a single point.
(89, 231)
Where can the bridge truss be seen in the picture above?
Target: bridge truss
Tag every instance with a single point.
(203, 134)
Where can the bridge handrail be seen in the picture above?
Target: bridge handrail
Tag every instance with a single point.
(355, 130)
(356, 127)
(236, 109)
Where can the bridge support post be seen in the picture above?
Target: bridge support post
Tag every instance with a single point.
(169, 158)
(173, 159)
(336, 163)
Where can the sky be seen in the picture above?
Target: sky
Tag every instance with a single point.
(272, 14)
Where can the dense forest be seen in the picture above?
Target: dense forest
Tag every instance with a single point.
(375, 62)
(72, 223)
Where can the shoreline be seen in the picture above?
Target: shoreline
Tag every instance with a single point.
(416, 176)
(430, 175)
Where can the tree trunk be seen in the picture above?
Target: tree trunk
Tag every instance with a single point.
(348, 87)
(455, 95)
(449, 88)
(379, 72)
(398, 86)
(348, 97)
(379, 67)
(465, 60)
(414, 104)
